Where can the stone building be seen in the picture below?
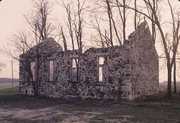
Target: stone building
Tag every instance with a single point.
(118, 72)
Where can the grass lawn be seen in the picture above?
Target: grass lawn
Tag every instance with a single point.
(8, 93)
(23, 109)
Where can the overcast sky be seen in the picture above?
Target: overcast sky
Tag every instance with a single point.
(11, 12)
(11, 20)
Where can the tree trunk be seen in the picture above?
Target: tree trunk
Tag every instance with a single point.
(64, 39)
(36, 83)
(135, 14)
(175, 76)
(110, 22)
(153, 24)
(124, 21)
(169, 68)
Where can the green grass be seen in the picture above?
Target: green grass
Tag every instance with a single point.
(150, 105)
(8, 93)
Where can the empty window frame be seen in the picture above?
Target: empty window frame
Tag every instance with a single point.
(74, 70)
(102, 69)
(100, 73)
(51, 70)
(32, 65)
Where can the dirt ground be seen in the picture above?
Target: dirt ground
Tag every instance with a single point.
(4, 85)
(21, 109)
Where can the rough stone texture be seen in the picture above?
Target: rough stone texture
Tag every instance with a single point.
(144, 61)
(48, 46)
(131, 70)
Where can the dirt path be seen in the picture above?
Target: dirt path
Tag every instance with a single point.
(59, 114)
(20, 109)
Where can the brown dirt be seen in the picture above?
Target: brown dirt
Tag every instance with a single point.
(156, 109)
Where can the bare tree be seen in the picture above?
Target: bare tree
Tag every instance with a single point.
(69, 23)
(170, 59)
(64, 39)
(102, 37)
(108, 35)
(42, 28)
(152, 9)
(175, 38)
(75, 20)
(39, 22)
(170, 55)
(135, 14)
(122, 14)
(109, 12)
(78, 25)
(124, 20)
(119, 8)
(20, 43)
(112, 24)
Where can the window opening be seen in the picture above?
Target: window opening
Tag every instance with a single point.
(74, 71)
(33, 70)
(51, 70)
(101, 66)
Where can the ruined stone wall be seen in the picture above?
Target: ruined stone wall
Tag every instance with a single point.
(145, 64)
(61, 87)
(118, 66)
(132, 71)
(88, 85)
(25, 86)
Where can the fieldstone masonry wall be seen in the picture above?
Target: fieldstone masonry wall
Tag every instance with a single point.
(131, 70)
